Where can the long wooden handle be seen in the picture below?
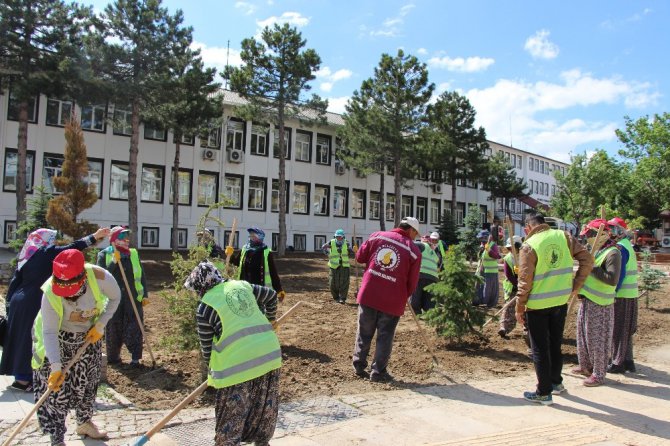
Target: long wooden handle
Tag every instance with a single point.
(231, 238)
(500, 311)
(356, 267)
(288, 313)
(46, 394)
(426, 341)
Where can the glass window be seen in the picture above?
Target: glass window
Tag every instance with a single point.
(300, 242)
(323, 149)
(188, 140)
(483, 213)
(460, 214)
(235, 243)
(358, 204)
(232, 191)
(211, 139)
(94, 177)
(152, 183)
(434, 211)
(208, 188)
(256, 194)
(58, 111)
(11, 163)
(150, 237)
(340, 203)
(10, 232)
(13, 109)
(182, 238)
(406, 210)
(275, 196)
(374, 206)
(123, 122)
(287, 143)
(321, 196)
(184, 181)
(52, 167)
(319, 241)
(259, 140)
(553, 189)
(389, 206)
(303, 142)
(530, 163)
(420, 209)
(537, 165)
(300, 198)
(275, 241)
(118, 181)
(93, 117)
(153, 133)
(235, 135)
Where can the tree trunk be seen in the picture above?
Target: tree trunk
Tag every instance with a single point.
(281, 245)
(132, 173)
(175, 193)
(382, 206)
(397, 182)
(21, 161)
(454, 182)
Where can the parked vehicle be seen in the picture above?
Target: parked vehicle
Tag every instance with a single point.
(645, 239)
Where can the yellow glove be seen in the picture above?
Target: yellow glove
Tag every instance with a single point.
(145, 302)
(355, 249)
(93, 335)
(229, 251)
(281, 295)
(516, 270)
(56, 380)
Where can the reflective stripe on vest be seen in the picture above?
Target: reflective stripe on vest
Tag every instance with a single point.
(137, 269)
(429, 261)
(335, 257)
(552, 283)
(490, 264)
(57, 304)
(629, 287)
(508, 287)
(596, 290)
(267, 279)
(248, 347)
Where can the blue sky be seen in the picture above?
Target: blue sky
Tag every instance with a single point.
(551, 78)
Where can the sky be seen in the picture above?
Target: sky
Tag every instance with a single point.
(552, 78)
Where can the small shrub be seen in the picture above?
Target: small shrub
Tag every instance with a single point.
(650, 281)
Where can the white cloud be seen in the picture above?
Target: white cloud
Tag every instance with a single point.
(328, 78)
(336, 105)
(422, 51)
(613, 24)
(246, 7)
(468, 65)
(539, 46)
(215, 56)
(391, 25)
(292, 18)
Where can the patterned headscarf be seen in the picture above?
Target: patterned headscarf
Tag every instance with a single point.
(255, 244)
(40, 238)
(203, 278)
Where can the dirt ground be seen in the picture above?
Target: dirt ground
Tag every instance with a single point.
(317, 342)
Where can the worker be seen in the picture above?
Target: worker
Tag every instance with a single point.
(338, 252)
(422, 299)
(488, 291)
(510, 269)
(440, 249)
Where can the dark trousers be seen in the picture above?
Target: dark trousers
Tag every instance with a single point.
(421, 299)
(545, 328)
(369, 321)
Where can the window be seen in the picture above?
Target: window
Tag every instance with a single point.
(11, 163)
(10, 231)
(300, 198)
(259, 140)
(150, 237)
(94, 178)
(186, 140)
(530, 186)
(287, 143)
(257, 187)
(208, 188)
(275, 196)
(235, 134)
(275, 240)
(460, 214)
(319, 241)
(340, 203)
(519, 161)
(323, 149)
(123, 122)
(483, 212)
(541, 166)
(182, 238)
(537, 165)
(232, 190)
(211, 139)
(152, 183)
(389, 207)
(321, 198)
(530, 163)
(358, 203)
(184, 181)
(300, 242)
(434, 211)
(422, 173)
(374, 206)
(58, 111)
(303, 143)
(118, 181)
(236, 238)
(13, 108)
(52, 167)
(93, 117)
(406, 206)
(154, 133)
(553, 190)
(421, 209)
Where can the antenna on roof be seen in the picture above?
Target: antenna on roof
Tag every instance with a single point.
(225, 87)
(511, 144)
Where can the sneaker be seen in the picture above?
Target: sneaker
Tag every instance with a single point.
(361, 373)
(592, 381)
(25, 387)
(384, 377)
(533, 397)
(502, 333)
(614, 368)
(557, 389)
(341, 301)
(580, 371)
(629, 365)
(89, 429)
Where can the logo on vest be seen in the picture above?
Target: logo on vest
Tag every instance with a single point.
(240, 303)
(553, 256)
(387, 258)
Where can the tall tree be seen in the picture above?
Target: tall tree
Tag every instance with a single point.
(455, 146)
(502, 182)
(40, 42)
(133, 49)
(383, 120)
(274, 74)
(76, 193)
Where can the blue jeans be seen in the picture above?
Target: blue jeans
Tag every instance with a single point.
(369, 321)
(545, 328)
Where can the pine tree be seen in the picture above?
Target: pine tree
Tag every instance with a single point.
(454, 316)
(447, 229)
(468, 239)
(36, 217)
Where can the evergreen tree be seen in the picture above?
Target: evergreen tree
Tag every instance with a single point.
(275, 72)
(468, 240)
(36, 217)
(454, 316)
(447, 229)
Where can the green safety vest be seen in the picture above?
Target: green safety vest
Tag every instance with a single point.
(57, 304)
(443, 252)
(266, 268)
(628, 287)
(137, 268)
(508, 287)
(334, 256)
(490, 264)
(248, 346)
(597, 291)
(552, 283)
(429, 261)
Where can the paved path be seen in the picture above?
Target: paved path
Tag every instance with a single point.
(633, 409)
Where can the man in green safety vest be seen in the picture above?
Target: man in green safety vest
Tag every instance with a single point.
(440, 249)
(124, 329)
(338, 252)
(544, 287)
(422, 299)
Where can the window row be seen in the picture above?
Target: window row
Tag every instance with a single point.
(540, 188)
(541, 166)
(514, 160)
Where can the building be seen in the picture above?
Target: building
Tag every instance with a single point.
(239, 161)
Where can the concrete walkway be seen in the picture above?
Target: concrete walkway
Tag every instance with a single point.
(632, 409)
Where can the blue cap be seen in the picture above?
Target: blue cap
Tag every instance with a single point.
(339, 233)
(258, 231)
(483, 234)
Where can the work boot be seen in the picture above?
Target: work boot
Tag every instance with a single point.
(89, 429)
(384, 377)
(629, 365)
(361, 373)
(502, 333)
(614, 368)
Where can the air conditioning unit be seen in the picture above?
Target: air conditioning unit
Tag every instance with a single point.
(437, 188)
(339, 167)
(665, 241)
(210, 155)
(235, 156)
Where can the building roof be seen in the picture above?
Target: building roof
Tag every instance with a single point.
(532, 202)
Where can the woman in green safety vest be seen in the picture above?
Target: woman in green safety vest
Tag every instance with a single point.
(235, 326)
(421, 299)
(511, 271)
(488, 292)
(338, 252)
(596, 311)
(79, 299)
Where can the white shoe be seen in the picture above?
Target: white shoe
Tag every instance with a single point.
(89, 429)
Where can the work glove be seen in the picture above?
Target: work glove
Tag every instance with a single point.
(56, 380)
(355, 249)
(229, 251)
(281, 295)
(94, 334)
(516, 270)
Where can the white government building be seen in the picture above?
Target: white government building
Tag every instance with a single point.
(239, 162)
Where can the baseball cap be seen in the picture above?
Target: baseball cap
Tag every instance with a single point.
(68, 273)
(339, 233)
(435, 235)
(411, 221)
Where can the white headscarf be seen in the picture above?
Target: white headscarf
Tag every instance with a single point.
(40, 238)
